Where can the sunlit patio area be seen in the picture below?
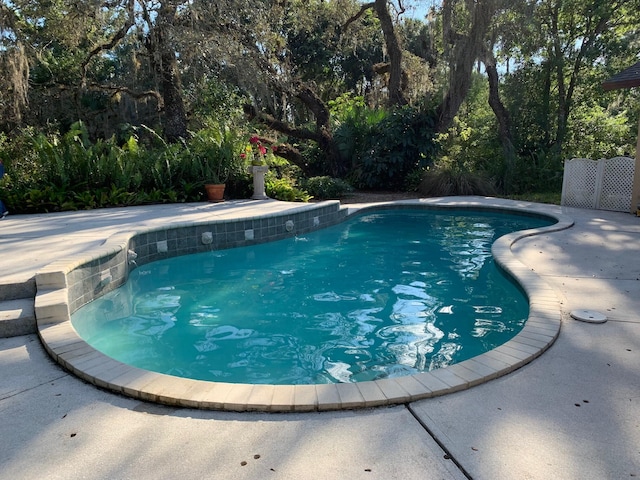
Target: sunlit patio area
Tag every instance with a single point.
(572, 413)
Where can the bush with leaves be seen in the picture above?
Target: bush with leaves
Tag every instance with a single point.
(447, 181)
(386, 147)
(325, 187)
(53, 172)
(459, 169)
(284, 190)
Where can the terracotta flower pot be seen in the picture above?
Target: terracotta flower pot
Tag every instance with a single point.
(215, 192)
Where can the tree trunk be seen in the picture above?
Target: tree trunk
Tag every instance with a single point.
(466, 50)
(502, 115)
(397, 78)
(14, 64)
(324, 135)
(558, 61)
(163, 58)
(175, 115)
(396, 94)
(546, 103)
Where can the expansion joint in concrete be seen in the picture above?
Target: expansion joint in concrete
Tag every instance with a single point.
(447, 454)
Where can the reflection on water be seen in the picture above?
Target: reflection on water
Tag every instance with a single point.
(386, 294)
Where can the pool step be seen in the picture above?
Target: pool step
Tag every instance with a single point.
(17, 299)
(14, 288)
(17, 317)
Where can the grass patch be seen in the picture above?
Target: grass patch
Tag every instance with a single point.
(553, 198)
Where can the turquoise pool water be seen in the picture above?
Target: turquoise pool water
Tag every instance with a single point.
(384, 294)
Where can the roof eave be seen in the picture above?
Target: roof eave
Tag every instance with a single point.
(628, 78)
(609, 85)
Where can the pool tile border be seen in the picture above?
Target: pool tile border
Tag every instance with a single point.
(67, 284)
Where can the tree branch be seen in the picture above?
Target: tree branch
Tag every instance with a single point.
(363, 8)
(113, 90)
(111, 43)
(278, 125)
(314, 103)
(9, 19)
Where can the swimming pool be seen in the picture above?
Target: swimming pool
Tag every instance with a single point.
(385, 294)
(63, 343)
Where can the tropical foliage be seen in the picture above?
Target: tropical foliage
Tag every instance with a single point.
(122, 102)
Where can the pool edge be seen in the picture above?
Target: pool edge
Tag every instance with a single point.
(539, 332)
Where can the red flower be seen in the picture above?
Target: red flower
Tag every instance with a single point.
(263, 150)
(254, 139)
(243, 155)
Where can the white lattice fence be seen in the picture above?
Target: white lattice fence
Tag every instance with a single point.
(579, 183)
(605, 184)
(617, 184)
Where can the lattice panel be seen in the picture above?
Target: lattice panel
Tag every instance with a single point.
(579, 183)
(617, 184)
(602, 184)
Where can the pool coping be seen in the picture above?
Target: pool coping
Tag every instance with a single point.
(541, 329)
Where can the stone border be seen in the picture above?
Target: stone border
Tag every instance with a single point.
(61, 282)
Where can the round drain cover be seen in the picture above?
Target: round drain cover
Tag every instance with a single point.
(589, 316)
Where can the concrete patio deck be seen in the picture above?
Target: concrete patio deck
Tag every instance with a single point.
(573, 413)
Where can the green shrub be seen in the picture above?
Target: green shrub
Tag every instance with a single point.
(537, 172)
(49, 198)
(48, 172)
(282, 189)
(213, 154)
(386, 146)
(413, 179)
(448, 181)
(326, 187)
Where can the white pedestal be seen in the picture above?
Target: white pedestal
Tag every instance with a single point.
(258, 172)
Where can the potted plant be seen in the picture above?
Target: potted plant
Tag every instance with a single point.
(215, 175)
(257, 154)
(216, 152)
